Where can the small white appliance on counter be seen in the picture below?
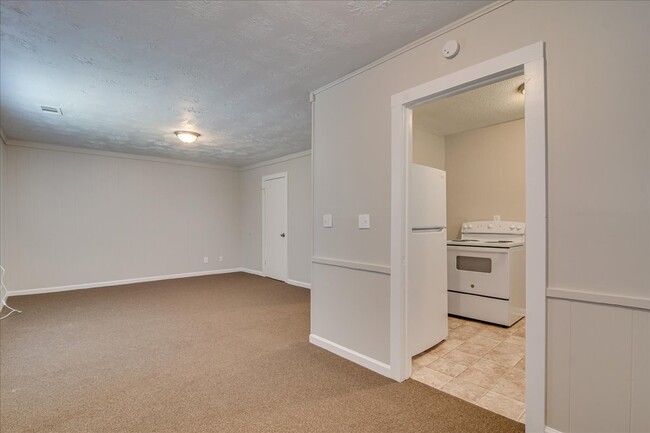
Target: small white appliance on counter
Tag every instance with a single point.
(487, 272)
(427, 259)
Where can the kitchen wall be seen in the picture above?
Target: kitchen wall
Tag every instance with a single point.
(485, 175)
(428, 148)
(74, 217)
(598, 194)
(298, 168)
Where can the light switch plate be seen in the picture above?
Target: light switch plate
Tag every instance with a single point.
(327, 220)
(364, 221)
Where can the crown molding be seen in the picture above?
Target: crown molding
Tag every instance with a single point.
(110, 154)
(277, 160)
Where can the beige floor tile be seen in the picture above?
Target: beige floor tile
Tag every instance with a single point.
(482, 341)
(495, 333)
(478, 326)
(502, 405)
(445, 347)
(516, 375)
(463, 333)
(454, 322)
(480, 378)
(472, 348)
(432, 378)
(448, 367)
(422, 360)
(510, 389)
(490, 367)
(507, 360)
(520, 324)
(517, 341)
(521, 364)
(481, 363)
(505, 347)
(466, 391)
(461, 357)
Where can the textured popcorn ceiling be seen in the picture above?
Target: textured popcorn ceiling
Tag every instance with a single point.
(485, 106)
(128, 74)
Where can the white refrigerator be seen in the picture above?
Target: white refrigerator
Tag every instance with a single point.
(427, 259)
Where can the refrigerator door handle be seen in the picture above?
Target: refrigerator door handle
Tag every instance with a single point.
(427, 229)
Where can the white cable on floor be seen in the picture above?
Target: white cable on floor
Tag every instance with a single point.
(2, 286)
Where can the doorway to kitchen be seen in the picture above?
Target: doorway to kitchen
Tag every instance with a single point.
(476, 138)
(528, 63)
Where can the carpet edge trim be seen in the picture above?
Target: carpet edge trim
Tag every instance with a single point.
(351, 355)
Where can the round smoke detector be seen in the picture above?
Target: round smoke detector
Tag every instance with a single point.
(450, 49)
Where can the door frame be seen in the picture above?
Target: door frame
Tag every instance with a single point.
(284, 175)
(530, 61)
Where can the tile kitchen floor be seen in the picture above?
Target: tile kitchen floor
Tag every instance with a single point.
(480, 363)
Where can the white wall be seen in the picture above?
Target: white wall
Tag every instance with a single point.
(428, 148)
(598, 63)
(78, 217)
(298, 168)
(485, 175)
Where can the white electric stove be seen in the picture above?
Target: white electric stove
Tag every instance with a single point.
(487, 271)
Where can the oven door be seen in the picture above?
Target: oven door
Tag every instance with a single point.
(478, 271)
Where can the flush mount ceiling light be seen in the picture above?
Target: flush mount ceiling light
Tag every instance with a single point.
(187, 136)
(522, 89)
(52, 110)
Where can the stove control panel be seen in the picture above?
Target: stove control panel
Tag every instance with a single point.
(496, 227)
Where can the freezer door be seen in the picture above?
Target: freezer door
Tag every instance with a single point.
(426, 290)
(427, 197)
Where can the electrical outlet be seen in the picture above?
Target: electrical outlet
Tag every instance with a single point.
(221, 258)
(205, 260)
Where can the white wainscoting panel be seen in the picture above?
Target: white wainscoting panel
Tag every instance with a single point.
(600, 376)
(351, 309)
(558, 363)
(598, 367)
(640, 413)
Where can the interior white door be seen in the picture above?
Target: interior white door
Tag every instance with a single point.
(274, 192)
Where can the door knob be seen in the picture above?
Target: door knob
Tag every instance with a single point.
(282, 235)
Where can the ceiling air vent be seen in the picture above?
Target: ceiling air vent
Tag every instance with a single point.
(53, 110)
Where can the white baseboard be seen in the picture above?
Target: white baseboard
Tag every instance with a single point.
(140, 280)
(252, 271)
(288, 281)
(119, 282)
(551, 430)
(351, 355)
(299, 283)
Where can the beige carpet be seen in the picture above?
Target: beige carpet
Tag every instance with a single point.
(223, 353)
